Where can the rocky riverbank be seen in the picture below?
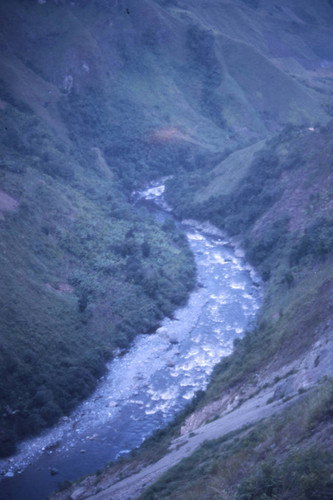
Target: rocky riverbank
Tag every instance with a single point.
(268, 393)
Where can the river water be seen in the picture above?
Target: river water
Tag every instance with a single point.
(146, 387)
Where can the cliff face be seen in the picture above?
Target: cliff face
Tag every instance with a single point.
(99, 97)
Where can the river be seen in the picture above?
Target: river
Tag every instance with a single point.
(155, 379)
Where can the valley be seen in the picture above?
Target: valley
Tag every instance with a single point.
(152, 382)
(232, 104)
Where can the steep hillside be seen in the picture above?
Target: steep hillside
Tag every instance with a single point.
(280, 210)
(288, 236)
(281, 370)
(254, 69)
(99, 97)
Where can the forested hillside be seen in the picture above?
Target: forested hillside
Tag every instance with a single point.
(82, 271)
(234, 100)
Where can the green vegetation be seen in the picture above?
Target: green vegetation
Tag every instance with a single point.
(302, 475)
(284, 457)
(96, 100)
(280, 210)
(289, 244)
(82, 271)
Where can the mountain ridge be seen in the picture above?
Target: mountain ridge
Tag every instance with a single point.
(99, 98)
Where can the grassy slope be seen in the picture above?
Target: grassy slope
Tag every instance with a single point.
(287, 456)
(81, 271)
(226, 175)
(295, 258)
(96, 101)
(281, 212)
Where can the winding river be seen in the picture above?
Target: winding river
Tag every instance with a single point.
(146, 387)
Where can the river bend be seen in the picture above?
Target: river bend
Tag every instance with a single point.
(146, 387)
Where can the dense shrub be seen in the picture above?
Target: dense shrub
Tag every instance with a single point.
(316, 242)
(302, 476)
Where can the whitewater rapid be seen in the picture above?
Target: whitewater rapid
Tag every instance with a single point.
(155, 379)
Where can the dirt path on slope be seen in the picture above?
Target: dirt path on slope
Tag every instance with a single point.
(250, 412)
(282, 386)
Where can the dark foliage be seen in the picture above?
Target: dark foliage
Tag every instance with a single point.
(302, 476)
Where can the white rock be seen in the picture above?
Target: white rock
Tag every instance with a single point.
(77, 494)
